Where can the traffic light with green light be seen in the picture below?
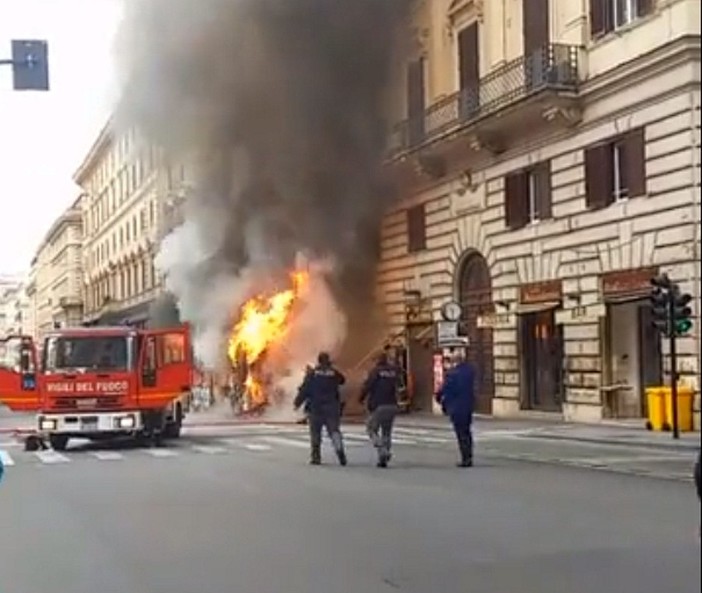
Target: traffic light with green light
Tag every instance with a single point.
(682, 312)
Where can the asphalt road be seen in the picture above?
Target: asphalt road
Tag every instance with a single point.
(245, 514)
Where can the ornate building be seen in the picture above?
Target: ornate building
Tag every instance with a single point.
(548, 163)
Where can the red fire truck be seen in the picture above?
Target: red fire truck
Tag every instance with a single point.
(100, 382)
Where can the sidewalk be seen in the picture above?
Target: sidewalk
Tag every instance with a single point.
(623, 433)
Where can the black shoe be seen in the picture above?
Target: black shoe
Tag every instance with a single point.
(342, 457)
(465, 463)
(383, 461)
(315, 461)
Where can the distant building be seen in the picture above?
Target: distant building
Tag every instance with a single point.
(120, 211)
(54, 286)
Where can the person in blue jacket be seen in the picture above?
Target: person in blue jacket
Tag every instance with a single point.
(457, 399)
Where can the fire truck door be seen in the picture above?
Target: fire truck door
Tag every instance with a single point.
(165, 366)
(18, 374)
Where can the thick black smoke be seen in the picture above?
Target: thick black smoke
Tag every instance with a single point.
(279, 104)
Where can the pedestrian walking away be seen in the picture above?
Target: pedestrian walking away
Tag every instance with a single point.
(457, 399)
(320, 394)
(379, 392)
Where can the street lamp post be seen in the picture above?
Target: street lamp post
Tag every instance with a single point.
(30, 65)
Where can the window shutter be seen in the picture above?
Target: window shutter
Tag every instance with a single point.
(644, 7)
(599, 10)
(599, 176)
(543, 189)
(516, 201)
(416, 229)
(635, 152)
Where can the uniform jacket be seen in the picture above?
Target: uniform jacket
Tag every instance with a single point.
(457, 394)
(380, 387)
(320, 389)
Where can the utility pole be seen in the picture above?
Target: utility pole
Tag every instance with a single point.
(672, 316)
(30, 65)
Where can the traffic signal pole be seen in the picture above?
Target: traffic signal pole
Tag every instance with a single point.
(673, 369)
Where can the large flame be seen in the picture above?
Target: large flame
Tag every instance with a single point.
(264, 322)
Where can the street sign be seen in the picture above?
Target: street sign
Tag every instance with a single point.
(30, 65)
(493, 320)
(447, 335)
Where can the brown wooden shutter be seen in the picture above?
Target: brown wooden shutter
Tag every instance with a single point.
(635, 154)
(599, 176)
(599, 17)
(416, 101)
(469, 57)
(644, 7)
(516, 200)
(543, 190)
(536, 25)
(416, 229)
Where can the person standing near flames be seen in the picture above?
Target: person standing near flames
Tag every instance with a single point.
(320, 392)
(380, 390)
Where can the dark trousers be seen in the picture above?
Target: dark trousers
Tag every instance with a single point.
(329, 419)
(379, 426)
(463, 427)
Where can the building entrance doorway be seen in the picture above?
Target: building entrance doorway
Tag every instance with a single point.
(475, 298)
(541, 348)
(633, 358)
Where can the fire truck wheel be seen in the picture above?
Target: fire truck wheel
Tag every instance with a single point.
(172, 430)
(58, 442)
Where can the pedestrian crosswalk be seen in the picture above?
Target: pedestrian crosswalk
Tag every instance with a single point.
(252, 440)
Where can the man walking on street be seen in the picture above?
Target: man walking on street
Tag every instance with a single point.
(380, 389)
(320, 392)
(457, 399)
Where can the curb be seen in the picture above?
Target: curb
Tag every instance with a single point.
(682, 446)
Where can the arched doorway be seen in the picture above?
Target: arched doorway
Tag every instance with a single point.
(475, 297)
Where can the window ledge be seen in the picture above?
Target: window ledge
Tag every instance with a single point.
(619, 32)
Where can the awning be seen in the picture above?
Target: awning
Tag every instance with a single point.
(528, 308)
(621, 299)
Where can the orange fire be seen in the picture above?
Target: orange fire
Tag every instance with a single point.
(264, 322)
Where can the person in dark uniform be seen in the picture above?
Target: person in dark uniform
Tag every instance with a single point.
(457, 399)
(380, 391)
(320, 391)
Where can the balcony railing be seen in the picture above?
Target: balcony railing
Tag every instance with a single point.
(554, 67)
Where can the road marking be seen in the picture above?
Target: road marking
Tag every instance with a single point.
(257, 447)
(107, 455)
(6, 459)
(412, 431)
(11, 445)
(161, 453)
(401, 441)
(435, 440)
(209, 450)
(285, 442)
(51, 457)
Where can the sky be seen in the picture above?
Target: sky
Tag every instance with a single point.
(45, 136)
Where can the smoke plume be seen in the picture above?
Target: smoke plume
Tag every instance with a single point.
(278, 105)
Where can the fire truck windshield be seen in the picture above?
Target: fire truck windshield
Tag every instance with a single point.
(84, 353)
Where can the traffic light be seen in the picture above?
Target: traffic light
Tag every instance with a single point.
(660, 302)
(30, 65)
(682, 313)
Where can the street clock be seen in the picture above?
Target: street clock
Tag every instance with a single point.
(451, 311)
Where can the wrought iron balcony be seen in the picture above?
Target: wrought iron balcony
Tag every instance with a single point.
(553, 68)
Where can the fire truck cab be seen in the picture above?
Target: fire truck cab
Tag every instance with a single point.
(99, 382)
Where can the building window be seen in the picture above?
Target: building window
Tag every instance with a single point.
(609, 15)
(528, 196)
(416, 229)
(615, 170)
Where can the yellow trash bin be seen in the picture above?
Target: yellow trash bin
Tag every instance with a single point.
(685, 403)
(655, 404)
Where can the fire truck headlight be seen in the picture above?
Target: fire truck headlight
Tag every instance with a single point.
(127, 422)
(47, 424)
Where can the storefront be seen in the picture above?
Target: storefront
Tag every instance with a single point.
(632, 356)
(540, 346)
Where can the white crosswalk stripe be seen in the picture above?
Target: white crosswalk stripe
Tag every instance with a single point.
(107, 455)
(161, 453)
(6, 458)
(51, 457)
(285, 442)
(209, 450)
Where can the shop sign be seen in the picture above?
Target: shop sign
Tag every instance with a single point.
(541, 292)
(493, 320)
(447, 334)
(628, 282)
